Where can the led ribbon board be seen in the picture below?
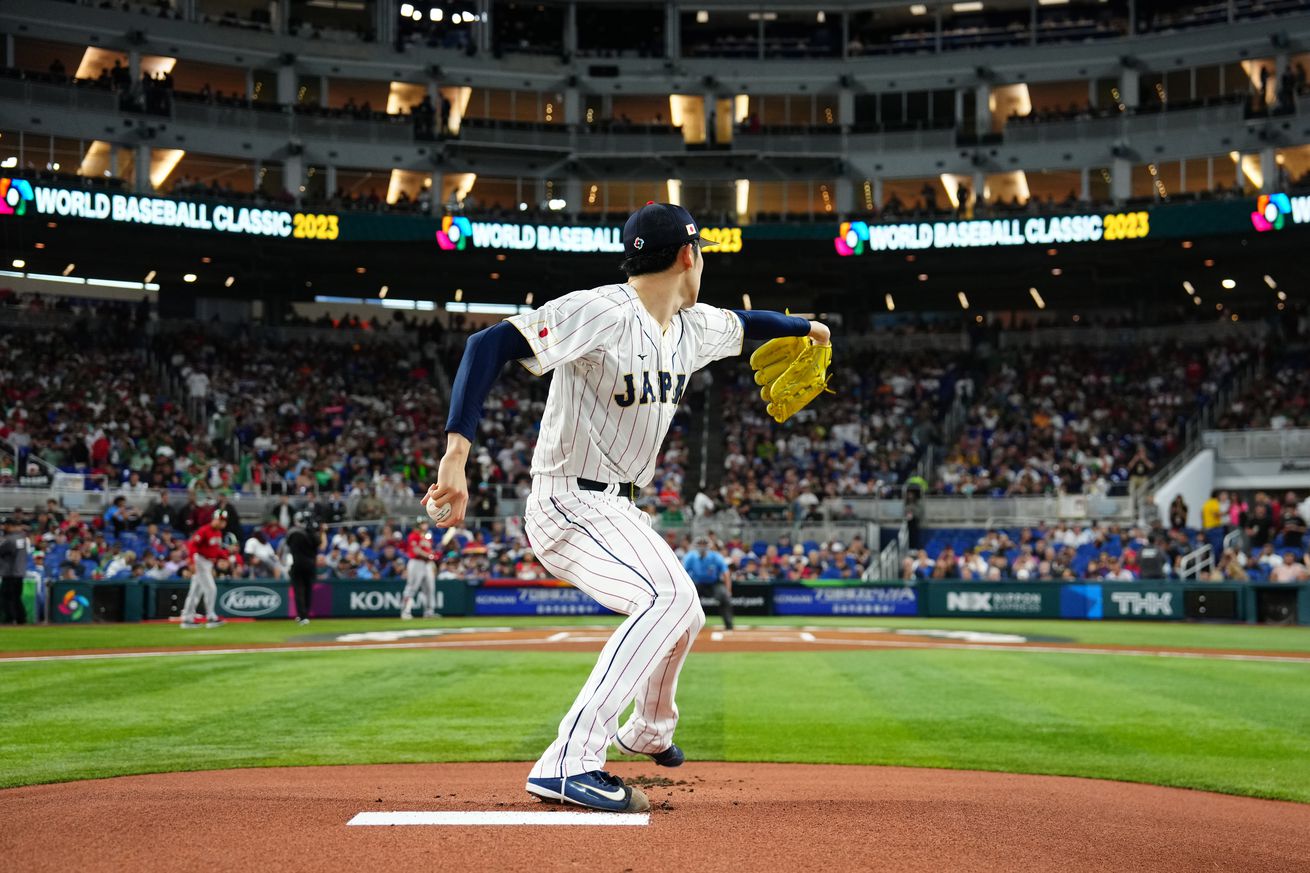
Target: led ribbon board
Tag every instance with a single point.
(858, 237)
(22, 197)
(458, 233)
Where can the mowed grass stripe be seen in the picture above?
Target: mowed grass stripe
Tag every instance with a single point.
(1226, 726)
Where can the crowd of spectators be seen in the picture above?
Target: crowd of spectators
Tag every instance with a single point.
(1281, 400)
(1255, 539)
(1087, 421)
(867, 442)
(1251, 538)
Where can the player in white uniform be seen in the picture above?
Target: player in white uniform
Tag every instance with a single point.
(622, 356)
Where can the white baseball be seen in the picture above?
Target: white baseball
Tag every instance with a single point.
(438, 513)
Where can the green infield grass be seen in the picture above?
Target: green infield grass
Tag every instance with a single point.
(1237, 727)
(1256, 638)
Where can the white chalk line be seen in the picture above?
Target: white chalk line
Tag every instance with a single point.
(716, 636)
(1065, 650)
(531, 819)
(453, 644)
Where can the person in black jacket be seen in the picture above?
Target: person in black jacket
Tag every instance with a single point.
(302, 545)
(14, 546)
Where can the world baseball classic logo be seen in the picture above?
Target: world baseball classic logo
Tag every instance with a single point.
(454, 233)
(73, 605)
(1271, 212)
(15, 194)
(851, 237)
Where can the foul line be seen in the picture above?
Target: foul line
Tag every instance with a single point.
(802, 640)
(1065, 650)
(465, 819)
(100, 656)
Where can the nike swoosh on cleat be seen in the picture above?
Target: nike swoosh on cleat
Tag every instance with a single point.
(616, 795)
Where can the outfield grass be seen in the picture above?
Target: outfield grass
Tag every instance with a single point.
(1237, 727)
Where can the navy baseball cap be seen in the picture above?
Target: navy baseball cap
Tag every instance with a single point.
(660, 226)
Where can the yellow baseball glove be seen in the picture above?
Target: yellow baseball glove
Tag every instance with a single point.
(792, 371)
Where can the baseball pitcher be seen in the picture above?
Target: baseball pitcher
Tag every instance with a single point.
(622, 356)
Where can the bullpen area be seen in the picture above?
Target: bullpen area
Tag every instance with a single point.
(911, 744)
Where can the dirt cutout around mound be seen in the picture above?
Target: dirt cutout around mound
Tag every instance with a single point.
(705, 818)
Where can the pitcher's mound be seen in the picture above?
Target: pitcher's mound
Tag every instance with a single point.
(704, 817)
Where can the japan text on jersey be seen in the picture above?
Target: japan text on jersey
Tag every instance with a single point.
(618, 378)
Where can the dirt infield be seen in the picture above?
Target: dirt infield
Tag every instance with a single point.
(706, 817)
(582, 639)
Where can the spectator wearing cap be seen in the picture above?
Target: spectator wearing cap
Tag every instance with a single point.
(14, 546)
(707, 568)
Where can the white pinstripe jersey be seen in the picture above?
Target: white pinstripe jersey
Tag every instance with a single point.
(618, 380)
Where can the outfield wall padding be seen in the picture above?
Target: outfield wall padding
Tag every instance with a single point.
(87, 601)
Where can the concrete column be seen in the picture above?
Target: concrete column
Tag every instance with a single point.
(255, 180)
(979, 183)
(9, 50)
(323, 92)
(386, 15)
(572, 106)
(1121, 180)
(672, 31)
(329, 181)
(572, 195)
(1085, 184)
(846, 106)
(982, 109)
(1268, 170)
(250, 83)
(436, 206)
(286, 85)
(134, 67)
(1129, 88)
(877, 194)
(293, 175)
(141, 184)
(1091, 93)
(571, 29)
(482, 33)
(845, 196)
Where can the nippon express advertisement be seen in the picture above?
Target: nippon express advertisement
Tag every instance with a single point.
(535, 601)
(793, 600)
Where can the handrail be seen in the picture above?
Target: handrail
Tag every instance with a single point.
(1194, 562)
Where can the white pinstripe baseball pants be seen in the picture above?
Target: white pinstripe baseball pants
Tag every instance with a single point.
(606, 547)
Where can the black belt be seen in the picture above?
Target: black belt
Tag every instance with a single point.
(626, 489)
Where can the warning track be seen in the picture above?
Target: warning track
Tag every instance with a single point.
(758, 639)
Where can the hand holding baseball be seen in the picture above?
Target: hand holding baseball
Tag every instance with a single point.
(447, 501)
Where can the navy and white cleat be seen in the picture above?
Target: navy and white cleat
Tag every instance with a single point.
(594, 790)
(670, 757)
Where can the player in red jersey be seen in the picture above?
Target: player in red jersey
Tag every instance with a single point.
(420, 571)
(206, 547)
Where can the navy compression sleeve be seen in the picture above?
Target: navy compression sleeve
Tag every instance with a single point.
(484, 356)
(761, 324)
